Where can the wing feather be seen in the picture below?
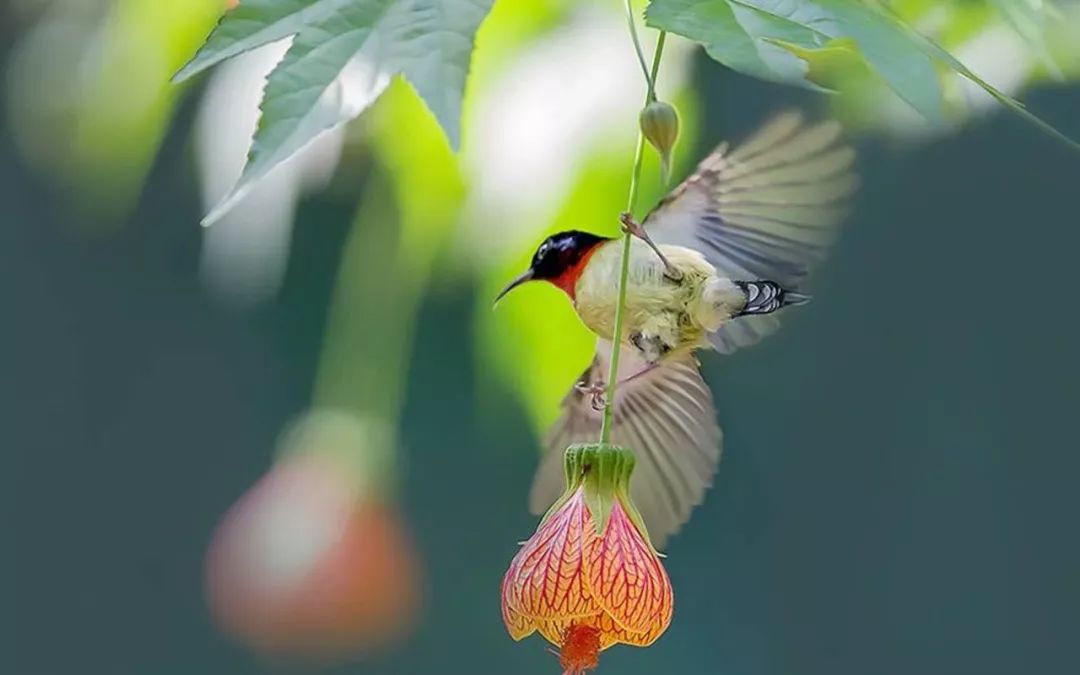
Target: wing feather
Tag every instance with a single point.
(768, 209)
(665, 416)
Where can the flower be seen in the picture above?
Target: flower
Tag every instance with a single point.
(589, 578)
(310, 562)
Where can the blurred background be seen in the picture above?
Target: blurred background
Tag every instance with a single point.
(898, 487)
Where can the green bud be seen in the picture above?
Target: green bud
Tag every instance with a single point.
(660, 125)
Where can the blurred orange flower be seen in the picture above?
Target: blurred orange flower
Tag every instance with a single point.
(589, 577)
(308, 561)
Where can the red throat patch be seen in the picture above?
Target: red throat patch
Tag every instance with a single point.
(567, 281)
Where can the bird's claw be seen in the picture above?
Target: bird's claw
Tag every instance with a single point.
(631, 226)
(636, 229)
(596, 393)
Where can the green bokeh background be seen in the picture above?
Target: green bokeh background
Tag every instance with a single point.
(897, 495)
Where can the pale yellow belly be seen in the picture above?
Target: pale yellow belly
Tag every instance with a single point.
(654, 302)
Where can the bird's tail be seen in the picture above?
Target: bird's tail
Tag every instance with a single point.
(765, 297)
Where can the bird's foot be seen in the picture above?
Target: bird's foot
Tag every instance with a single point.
(634, 228)
(595, 391)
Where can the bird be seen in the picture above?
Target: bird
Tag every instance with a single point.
(712, 267)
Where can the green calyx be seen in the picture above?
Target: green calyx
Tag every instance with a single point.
(603, 471)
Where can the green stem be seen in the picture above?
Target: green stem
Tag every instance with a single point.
(624, 271)
(637, 45)
(656, 65)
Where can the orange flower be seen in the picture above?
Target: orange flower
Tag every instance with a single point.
(311, 561)
(589, 577)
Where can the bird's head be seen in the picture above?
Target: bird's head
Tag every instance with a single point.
(558, 260)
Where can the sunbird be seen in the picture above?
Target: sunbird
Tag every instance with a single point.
(711, 266)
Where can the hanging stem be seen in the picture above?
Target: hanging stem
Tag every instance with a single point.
(624, 271)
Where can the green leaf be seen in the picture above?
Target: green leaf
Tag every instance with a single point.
(941, 55)
(734, 32)
(760, 28)
(838, 63)
(255, 23)
(1029, 19)
(342, 56)
(736, 37)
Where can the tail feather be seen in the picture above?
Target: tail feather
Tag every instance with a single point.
(795, 298)
(765, 297)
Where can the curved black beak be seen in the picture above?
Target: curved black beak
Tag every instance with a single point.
(527, 275)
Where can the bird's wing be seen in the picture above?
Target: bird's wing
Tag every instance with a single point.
(666, 417)
(767, 209)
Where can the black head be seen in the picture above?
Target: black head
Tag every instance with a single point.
(560, 252)
(556, 255)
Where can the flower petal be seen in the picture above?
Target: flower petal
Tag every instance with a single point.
(517, 625)
(628, 581)
(546, 579)
(612, 634)
(554, 630)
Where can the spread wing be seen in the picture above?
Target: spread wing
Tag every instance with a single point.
(769, 209)
(665, 416)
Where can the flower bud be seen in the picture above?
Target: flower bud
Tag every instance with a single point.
(660, 124)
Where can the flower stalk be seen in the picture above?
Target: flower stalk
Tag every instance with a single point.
(624, 269)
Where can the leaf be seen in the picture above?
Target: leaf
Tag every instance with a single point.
(941, 55)
(255, 23)
(761, 24)
(838, 62)
(733, 32)
(738, 38)
(343, 55)
(1029, 19)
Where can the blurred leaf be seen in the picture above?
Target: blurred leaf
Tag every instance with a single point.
(427, 179)
(941, 55)
(953, 24)
(89, 94)
(751, 24)
(1029, 19)
(429, 41)
(361, 369)
(1063, 39)
(734, 32)
(837, 63)
(408, 209)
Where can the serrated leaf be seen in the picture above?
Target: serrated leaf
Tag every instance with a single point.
(254, 23)
(342, 56)
(765, 24)
(901, 56)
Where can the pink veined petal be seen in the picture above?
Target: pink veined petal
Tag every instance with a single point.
(628, 581)
(517, 625)
(612, 634)
(548, 572)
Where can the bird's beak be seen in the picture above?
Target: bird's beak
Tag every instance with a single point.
(527, 275)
